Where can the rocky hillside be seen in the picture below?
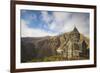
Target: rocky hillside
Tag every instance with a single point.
(41, 47)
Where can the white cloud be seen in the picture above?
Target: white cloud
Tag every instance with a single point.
(46, 17)
(60, 22)
(61, 17)
(65, 22)
(81, 22)
(30, 32)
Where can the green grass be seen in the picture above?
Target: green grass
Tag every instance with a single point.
(55, 58)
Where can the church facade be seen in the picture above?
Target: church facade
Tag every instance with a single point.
(73, 48)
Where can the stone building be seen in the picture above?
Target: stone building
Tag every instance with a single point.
(73, 44)
(73, 47)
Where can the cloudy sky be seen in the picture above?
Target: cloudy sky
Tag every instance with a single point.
(50, 23)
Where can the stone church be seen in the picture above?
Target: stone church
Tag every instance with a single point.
(73, 48)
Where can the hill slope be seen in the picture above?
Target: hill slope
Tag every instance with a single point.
(41, 47)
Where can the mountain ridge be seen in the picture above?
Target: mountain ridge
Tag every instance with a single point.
(40, 47)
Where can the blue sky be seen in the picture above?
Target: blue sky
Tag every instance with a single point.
(35, 23)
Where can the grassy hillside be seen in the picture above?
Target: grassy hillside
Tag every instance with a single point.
(37, 49)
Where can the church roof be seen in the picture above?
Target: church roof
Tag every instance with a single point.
(75, 30)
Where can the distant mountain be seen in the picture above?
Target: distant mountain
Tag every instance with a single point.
(40, 47)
